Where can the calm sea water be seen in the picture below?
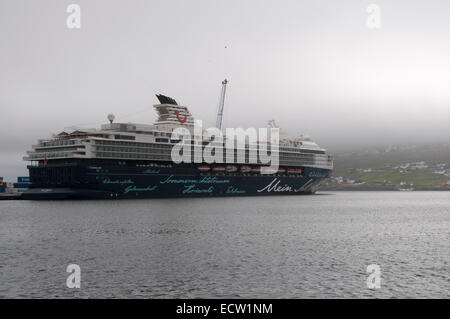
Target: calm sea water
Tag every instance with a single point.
(273, 247)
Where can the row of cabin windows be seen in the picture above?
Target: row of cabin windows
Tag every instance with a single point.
(132, 150)
(250, 160)
(168, 151)
(157, 150)
(145, 147)
(58, 143)
(153, 145)
(165, 140)
(124, 137)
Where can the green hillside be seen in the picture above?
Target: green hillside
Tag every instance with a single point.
(428, 153)
(381, 167)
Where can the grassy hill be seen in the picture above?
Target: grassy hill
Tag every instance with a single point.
(381, 157)
(369, 167)
(417, 178)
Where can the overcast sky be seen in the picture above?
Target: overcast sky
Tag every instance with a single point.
(314, 66)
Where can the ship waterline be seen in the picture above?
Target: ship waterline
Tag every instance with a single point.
(117, 182)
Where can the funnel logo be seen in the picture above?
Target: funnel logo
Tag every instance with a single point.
(184, 119)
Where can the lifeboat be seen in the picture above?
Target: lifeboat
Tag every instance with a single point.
(231, 168)
(245, 169)
(294, 170)
(203, 168)
(219, 169)
(281, 170)
(267, 170)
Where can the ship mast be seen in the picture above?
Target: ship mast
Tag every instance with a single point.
(221, 104)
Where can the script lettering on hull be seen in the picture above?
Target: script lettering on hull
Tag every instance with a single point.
(139, 189)
(274, 186)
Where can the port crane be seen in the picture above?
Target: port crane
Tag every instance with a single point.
(221, 104)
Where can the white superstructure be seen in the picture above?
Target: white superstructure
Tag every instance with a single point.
(142, 142)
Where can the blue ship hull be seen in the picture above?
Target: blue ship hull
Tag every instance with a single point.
(112, 182)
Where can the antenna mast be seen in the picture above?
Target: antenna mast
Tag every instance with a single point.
(221, 104)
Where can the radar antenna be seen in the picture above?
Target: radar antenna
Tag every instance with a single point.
(111, 118)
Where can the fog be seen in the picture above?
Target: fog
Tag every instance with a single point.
(313, 66)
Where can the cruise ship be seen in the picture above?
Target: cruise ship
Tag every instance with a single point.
(129, 160)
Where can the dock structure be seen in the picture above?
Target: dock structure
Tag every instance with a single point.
(10, 196)
(9, 191)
